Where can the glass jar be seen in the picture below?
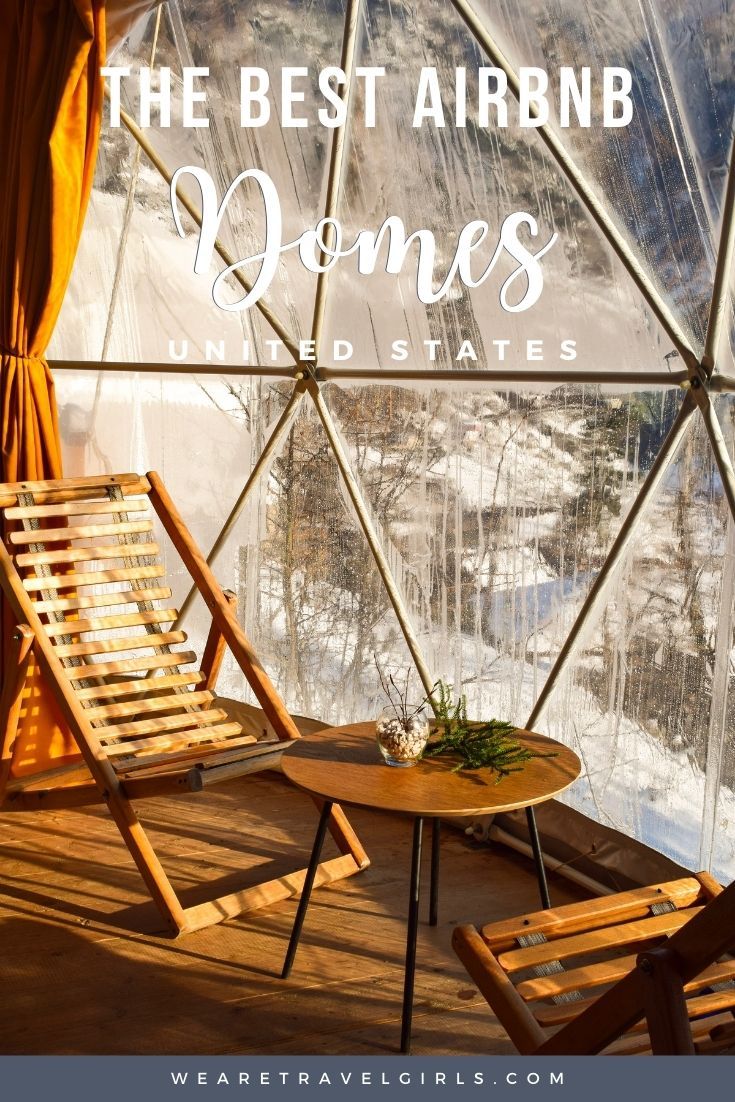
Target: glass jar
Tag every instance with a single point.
(401, 741)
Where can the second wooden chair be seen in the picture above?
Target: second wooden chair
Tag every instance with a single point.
(648, 970)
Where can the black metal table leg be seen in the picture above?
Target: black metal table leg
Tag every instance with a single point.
(436, 827)
(413, 926)
(543, 887)
(316, 851)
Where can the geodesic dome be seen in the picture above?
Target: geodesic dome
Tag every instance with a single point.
(555, 536)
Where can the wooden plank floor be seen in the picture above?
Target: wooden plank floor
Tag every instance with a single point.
(83, 970)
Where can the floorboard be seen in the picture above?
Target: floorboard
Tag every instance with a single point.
(85, 971)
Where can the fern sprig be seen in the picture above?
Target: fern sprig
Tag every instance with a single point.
(484, 745)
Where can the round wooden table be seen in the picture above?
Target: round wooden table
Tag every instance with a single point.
(343, 765)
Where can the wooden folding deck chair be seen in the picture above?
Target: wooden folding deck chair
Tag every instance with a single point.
(82, 578)
(649, 970)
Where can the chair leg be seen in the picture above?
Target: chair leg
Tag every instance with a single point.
(145, 857)
(345, 837)
(665, 1004)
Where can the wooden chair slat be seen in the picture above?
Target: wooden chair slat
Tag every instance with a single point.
(123, 620)
(102, 600)
(638, 1043)
(720, 1039)
(609, 937)
(125, 642)
(597, 975)
(152, 726)
(722, 972)
(174, 740)
(555, 1014)
(603, 911)
(697, 1006)
(96, 577)
(151, 704)
(78, 532)
(224, 740)
(130, 665)
(70, 489)
(576, 979)
(97, 553)
(135, 687)
(79, 507)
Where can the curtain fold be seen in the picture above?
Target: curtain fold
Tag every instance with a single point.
(51, 95)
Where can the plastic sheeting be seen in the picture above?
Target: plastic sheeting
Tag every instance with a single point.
(475, 172)
(665, 197)
(498, 509)
(646, 702)
(495, 507)
(667, 169)
(202, 434)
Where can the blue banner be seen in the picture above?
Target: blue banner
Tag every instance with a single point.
(271, 1078)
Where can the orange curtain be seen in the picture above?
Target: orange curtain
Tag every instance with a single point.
(51, 95)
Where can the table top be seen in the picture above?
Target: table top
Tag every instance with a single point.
(344, 764)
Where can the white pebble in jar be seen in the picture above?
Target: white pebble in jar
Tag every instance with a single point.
(401, 741)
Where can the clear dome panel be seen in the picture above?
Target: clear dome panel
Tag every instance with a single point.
(224, 39)
(719, 825)
(203, 434)
(133, 295)
(80, 331)
(725, 354)
(650, 175)
(698, 39)
(496, 510)
(644, 702)
(442, 178)
(316, 610)
(130, 249)
(718, 834)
